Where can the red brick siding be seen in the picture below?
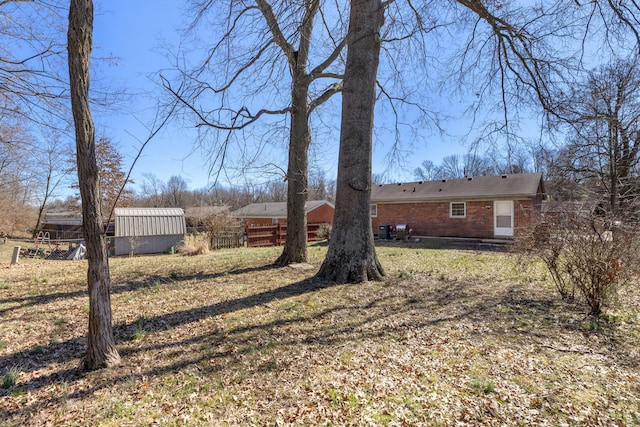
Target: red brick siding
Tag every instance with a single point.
(527, 213)
(321, 214)
(432, 218)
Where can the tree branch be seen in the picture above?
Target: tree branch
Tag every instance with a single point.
(278, 37)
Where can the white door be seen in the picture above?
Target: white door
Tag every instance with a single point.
(503, 218)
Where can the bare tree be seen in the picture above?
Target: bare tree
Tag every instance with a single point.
(453, 167)
(511, 59)
(16, 181)
(31, 64)
(265, 44)
(319, 187)
(153, 190)
(427, 171)
(351, 256)
(517, 67)
(277, 191)
(101, 350)
(53, 168)
(175, 192)
(605, 25)
(602, 119)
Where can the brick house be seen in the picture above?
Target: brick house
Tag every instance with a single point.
(318, 211)
(476, 207)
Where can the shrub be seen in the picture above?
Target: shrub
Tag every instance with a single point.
(324, 232)
(588, 256)
(223, 231)
(190, 249)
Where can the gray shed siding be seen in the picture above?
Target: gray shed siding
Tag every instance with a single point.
(150, 230)
(147, 244)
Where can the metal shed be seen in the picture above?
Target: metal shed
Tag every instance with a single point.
(148, 230)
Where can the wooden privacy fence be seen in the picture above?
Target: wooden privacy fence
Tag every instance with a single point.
(275, 234)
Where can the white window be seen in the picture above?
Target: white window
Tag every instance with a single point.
(274, 220)
(458, 210)
(374, 211)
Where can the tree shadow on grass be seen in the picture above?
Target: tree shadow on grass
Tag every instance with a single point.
(373, 316)
(59, 353)
(120, 287)
(75, 348)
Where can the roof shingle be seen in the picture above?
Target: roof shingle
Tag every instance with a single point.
(481, 187)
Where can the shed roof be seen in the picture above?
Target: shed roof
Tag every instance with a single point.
(274, 209)
(63, 218)
(481, 187)
(149, 222)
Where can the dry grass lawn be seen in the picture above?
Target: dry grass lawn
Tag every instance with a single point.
(450, 338)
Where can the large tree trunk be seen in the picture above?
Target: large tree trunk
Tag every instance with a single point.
(295, 246)
(101, 350)
(351, 256)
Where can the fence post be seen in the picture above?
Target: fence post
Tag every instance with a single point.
(16, 255)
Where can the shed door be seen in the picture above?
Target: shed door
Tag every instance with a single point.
(503, 218)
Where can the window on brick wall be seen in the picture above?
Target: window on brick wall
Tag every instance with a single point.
(458, 210)
(374, 210)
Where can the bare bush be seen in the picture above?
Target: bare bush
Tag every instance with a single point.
(223, 230)
(196, 247)
(589, 257)
(324, 232)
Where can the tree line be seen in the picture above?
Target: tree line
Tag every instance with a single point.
(175, 192)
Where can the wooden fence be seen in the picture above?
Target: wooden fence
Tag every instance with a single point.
(275, 234)
(225, 241)
(228, 237)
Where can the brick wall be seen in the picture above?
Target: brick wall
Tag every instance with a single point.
(528, 213)
(321, 214)
(432, 218)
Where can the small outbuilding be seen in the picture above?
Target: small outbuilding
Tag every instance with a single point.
(147, 230)
(62, 225)
(476, 207)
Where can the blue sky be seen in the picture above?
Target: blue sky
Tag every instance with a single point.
(132, 31)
